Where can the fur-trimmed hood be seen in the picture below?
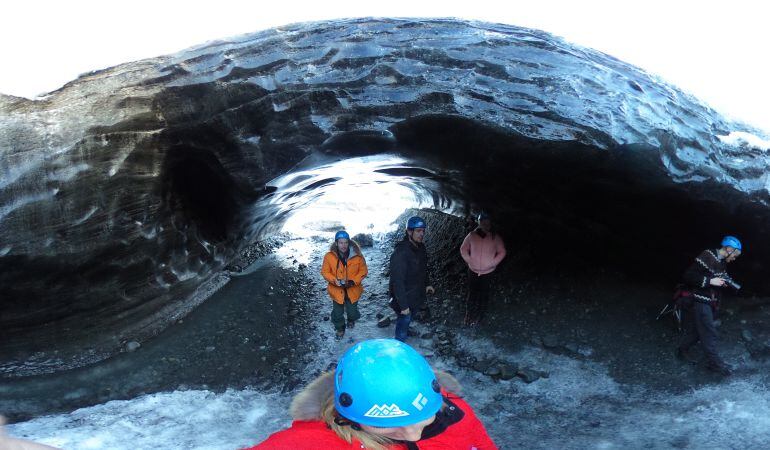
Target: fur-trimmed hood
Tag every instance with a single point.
(307, 404)
(354, 248)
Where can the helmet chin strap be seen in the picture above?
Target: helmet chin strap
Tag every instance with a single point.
(343, 422)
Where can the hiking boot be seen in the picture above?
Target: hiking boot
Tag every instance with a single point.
(682, 355)
(339, 334)
(721, 369)
(351, 324)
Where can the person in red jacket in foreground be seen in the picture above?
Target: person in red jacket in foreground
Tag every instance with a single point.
(383, 396)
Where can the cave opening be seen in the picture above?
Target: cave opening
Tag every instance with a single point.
(567, 210)
(359, 194)
(597, 238)
(196, 189)
(570, 207)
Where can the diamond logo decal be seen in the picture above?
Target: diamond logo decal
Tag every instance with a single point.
(419, 402)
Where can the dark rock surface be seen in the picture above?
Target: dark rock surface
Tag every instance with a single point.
(244, 335)
(364, 240)
(126, 193)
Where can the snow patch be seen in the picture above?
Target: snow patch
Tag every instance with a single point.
(744, 139)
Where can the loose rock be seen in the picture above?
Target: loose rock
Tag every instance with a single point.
(132, 345)
(507, 371)
(364, 240)
(530, 375)
(550, 341)
(746, 335)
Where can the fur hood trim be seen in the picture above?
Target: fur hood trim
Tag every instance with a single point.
(354, 248)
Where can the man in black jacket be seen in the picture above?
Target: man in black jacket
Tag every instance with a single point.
(703, 278)
(409, 276)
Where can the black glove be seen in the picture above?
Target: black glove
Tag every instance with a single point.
(351, 283)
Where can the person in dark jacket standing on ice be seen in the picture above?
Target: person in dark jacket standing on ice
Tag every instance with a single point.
(409, 283)
(704, 278)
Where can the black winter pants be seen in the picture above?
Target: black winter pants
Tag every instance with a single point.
(478, 296)
(699, 326)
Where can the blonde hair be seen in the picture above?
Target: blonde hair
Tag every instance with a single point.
(348, 433)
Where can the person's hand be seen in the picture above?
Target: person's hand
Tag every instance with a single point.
(351, 283)
(405, 311)
(429, 290)
(716, 281)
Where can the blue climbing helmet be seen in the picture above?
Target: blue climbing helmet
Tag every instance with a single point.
(342, 234)
(415, 222)
(385, 383)
(732, 241)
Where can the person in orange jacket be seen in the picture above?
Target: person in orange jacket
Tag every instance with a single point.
(383, 396)
(344, 267)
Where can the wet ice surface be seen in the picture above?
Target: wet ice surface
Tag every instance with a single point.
(181, 419)
(578, 406)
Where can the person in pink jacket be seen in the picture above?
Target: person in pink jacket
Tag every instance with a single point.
(482, 249)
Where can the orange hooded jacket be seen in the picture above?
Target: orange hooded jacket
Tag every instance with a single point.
(333, 269)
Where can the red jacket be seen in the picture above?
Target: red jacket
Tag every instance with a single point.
(467, 434)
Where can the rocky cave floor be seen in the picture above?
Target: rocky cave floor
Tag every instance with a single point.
(554, 348)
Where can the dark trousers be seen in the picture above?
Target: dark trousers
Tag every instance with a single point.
(338, 313)
(699, 326)
(478, 296)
